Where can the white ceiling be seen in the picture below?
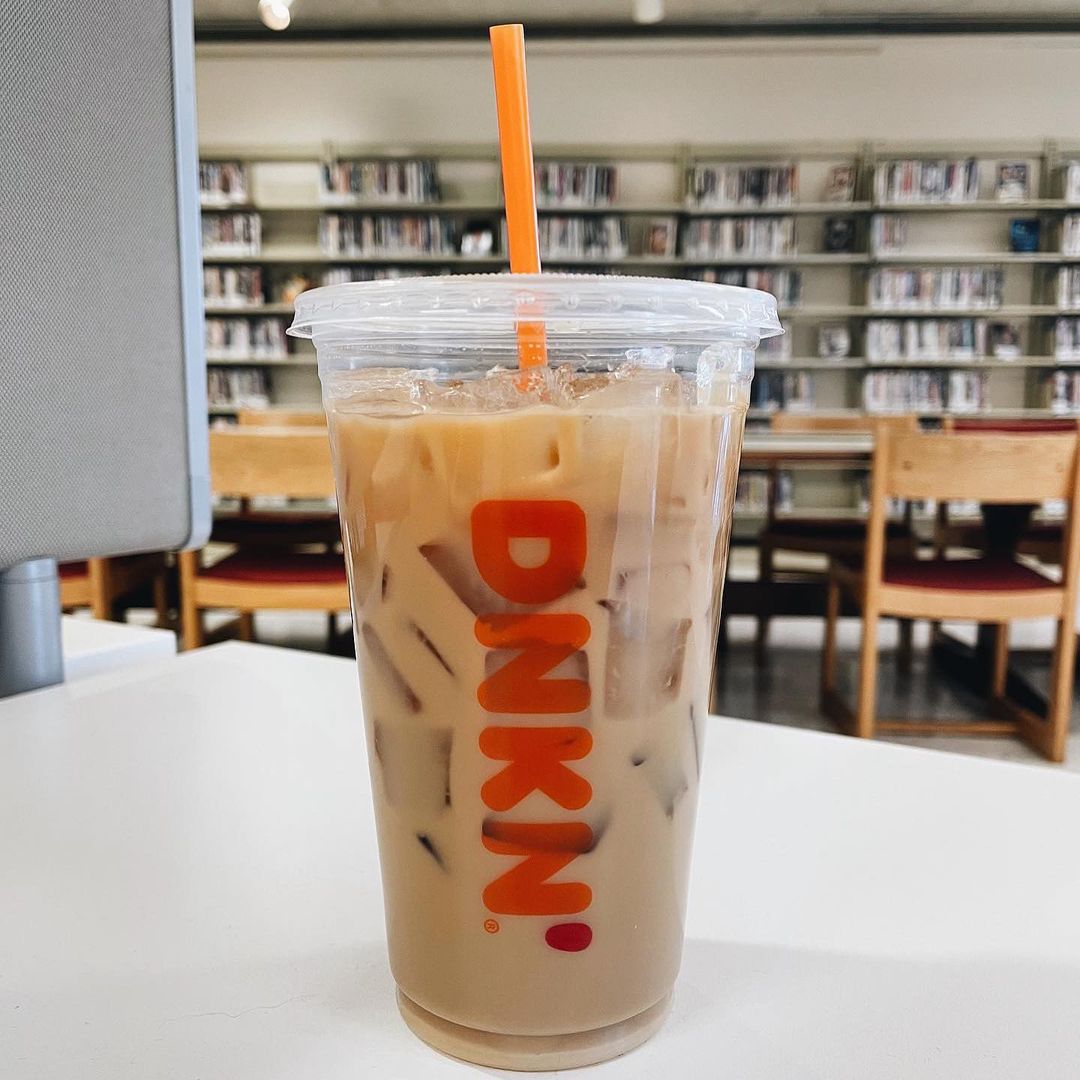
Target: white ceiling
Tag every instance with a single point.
(418, 14)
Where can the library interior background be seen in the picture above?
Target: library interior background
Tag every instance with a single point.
(905, 183)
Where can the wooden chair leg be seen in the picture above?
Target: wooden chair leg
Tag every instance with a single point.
(1059, 705)
(1000, 669)
(868, 662)
(764, 589)
(161, 598)
(101, 599)
(905, 645)
(828, 649)
(190, 616)
(246, 623)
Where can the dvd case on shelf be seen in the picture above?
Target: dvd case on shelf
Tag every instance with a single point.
(1068, 287)
(361, 235)
(1061, 392)
(1070, 234)
(1012, 181)
(223, 183)
(575, 183)
(718, 238)
(834, 341)
(941, 288)
(752, 493)
(716, 186)
(1071, 181)
(242, 388)
(782, 390)
(580, 237)
(341, 275)
(232, 286)
(888, 234)
(231, 234)
(785, 284)
(775, 349)
(840, 184)
(412, 180)
(925, 391)
(925, 339)
(240, 339)
(913, 180)
(1067, 339)
(1004, 340)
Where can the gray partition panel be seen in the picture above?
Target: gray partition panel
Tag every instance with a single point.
(102, 377)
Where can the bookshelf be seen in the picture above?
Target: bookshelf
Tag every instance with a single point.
(776, 233)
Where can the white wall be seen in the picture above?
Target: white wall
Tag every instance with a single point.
(665, 91)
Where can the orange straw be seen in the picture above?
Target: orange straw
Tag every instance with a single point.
(519, 185)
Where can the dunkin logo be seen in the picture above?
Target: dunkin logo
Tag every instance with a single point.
(537, 757)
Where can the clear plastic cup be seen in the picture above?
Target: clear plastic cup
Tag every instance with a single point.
(536, 560)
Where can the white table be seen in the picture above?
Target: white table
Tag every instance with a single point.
(92, 646)
(188, 889)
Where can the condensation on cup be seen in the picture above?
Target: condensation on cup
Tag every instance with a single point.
(535, 560)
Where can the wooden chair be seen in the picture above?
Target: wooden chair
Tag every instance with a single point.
(994, 589)
(820, 535)
(100, 584)
(261, 461)
(281, 418)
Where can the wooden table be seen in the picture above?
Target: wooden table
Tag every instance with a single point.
(190, 888)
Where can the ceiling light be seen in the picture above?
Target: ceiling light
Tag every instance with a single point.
(648, 11)
(275, 13)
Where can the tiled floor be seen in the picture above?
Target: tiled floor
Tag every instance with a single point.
(786, 690)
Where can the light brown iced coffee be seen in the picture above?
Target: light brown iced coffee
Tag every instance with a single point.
(535, 571)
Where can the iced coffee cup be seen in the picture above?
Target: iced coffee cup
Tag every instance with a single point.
(536, 560)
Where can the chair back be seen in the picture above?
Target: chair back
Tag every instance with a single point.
(991, 468)
(280, 418)
(800, 423)
(245, 462)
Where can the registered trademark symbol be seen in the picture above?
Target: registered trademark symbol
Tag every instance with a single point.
(491, 926)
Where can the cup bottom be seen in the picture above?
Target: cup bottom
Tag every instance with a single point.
(533, 1053)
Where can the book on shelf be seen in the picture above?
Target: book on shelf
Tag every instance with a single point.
(941, 288)
(239, 339)
(834, 341)
(361, 235)
(719, 186)
(231, 234)
(840, 184)
(232, 286)
(888, 234)
(925, 391)
(925, 339)
(580, 237)
(1024, 235)
(1067, 338)
(223, 183)
(914, 180)
(719, 238)
(1070, 234)
(791, 391)
(1071, 181)
(575, 183)
(389, 180)
(1061, 392)
(785, 284)
(1012, 183)
(1068, 286)
(237, 388)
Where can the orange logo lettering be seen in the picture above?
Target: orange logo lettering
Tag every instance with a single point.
(547, 848)
(536, 757)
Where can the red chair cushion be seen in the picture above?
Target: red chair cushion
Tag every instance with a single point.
(992, 574)
(69, 570)
(279, 568)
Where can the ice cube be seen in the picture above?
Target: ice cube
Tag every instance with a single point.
(457, 569)
(390, 673)
(644, 664)
(414, 763)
